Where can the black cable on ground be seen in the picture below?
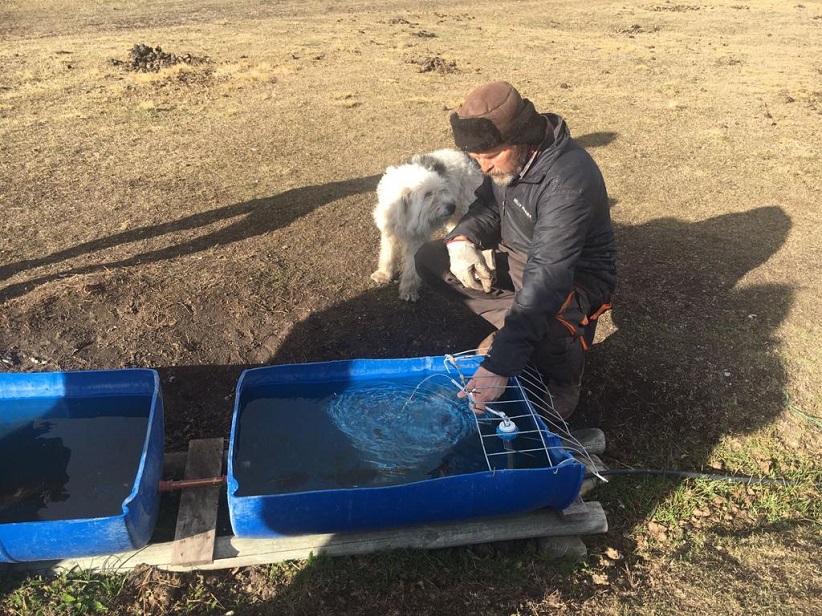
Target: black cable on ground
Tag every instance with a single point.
(696, 475)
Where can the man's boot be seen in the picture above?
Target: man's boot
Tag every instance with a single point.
(565, 397)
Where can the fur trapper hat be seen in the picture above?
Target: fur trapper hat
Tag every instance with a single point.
(495, 114)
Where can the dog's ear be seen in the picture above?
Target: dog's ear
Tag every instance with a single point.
(405, 201)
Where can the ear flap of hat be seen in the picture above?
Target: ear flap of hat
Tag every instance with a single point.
(528, 127)
(475, 134)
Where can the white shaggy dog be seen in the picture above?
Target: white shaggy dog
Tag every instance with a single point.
(427, 193)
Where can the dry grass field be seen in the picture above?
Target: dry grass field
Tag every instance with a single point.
(215, 214)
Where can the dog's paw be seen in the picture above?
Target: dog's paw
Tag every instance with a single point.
(409, 295)
(381, 277)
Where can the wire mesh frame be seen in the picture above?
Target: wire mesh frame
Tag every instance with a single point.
(535, 444)
(534, 391)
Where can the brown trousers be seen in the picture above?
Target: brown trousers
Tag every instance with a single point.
(560, 355)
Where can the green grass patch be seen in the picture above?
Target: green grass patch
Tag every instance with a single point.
(75, 592)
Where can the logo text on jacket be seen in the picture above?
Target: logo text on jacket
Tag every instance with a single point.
(522, 208)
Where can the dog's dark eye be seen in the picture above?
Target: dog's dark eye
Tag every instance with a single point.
(428, 195)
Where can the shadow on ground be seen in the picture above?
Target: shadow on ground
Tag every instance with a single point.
(257, 217)
(596, 140)
(692, 358)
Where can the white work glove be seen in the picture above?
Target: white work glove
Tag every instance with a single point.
(469, 266)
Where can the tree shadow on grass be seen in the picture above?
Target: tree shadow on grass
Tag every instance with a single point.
(257, 217)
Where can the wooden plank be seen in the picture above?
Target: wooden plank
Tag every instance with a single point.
(577, 509)
(197, 517)
(174, 463)
(232, 551)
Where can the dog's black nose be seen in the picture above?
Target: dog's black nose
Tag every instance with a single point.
(450, 208)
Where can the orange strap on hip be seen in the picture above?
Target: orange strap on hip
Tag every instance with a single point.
(567, 324)
(566, 303)
(600, 311)
(585, 319)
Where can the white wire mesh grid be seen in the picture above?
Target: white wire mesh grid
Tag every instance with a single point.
(531, 399)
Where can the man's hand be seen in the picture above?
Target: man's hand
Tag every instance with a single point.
(484, 386)
(468, 265)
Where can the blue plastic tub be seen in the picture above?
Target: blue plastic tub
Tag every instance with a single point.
(369, 444)
(80, 461)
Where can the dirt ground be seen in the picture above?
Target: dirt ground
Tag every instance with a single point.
(202, 204)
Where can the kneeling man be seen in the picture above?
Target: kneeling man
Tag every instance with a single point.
(543, 208)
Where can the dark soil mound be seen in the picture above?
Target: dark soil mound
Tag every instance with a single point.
(146, 59)
(436, 64)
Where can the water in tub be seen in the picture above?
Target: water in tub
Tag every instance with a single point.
(71, 464)
(327, 436)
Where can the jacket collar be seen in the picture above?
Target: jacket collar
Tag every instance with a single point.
(555, 141)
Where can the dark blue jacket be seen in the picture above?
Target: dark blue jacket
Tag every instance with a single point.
(558, 215)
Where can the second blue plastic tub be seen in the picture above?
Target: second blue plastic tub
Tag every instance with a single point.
(308, 483)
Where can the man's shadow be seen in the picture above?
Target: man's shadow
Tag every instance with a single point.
(253, 218)
(692, 357)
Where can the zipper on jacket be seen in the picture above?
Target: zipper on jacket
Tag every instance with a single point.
(502, 215)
